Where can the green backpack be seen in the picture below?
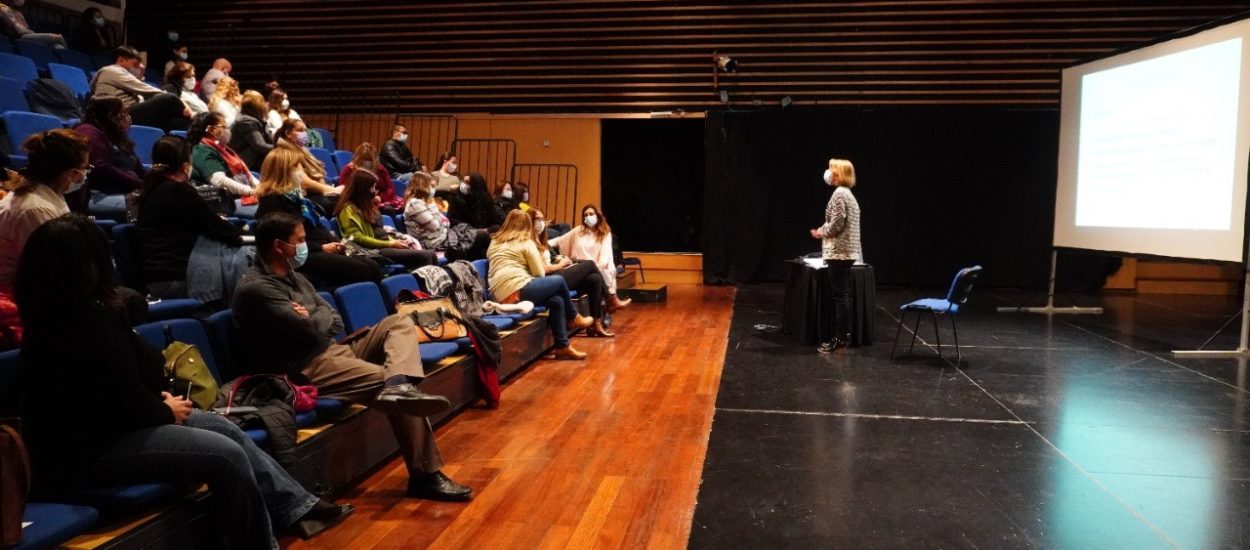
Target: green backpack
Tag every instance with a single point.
(185, 367)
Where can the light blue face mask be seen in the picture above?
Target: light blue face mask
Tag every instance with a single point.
(301, 255)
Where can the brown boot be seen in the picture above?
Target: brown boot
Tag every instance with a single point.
(615, 303)
(567, 353)
(598, 330)
(580, 322)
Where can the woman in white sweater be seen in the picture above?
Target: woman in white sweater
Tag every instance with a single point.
(592, 240)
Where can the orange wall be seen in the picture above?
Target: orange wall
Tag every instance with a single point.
(546, 140)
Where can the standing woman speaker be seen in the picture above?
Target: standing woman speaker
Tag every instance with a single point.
(839, 244)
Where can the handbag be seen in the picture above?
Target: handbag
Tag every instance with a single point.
(185, 368)
(14, 485)
(303, 398)
(353, 249)
(218, 199)
(436, 318)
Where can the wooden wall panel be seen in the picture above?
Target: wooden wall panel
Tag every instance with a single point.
(648, 55)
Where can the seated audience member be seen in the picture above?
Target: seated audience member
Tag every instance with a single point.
(215, 163)
(279, 111)
(293, 136)
(430, 226)
(446, 180)
(172, 218)
(592, 240)
(366, 159)
(579, 275)
(518, 273)
(125, 426)
(283, 327)
(226, 101)
(56, 164)
(327, 265)
(397, 157)
(149, 106)
(178, 52)
(247, 135)
(16, 27)
(221, 69)
(475, 206)
(180, 81)
(117, 170)
(522, 191)
(506, 199)
(97, 36)
(358, 217)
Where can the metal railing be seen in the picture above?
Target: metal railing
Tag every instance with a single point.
(553, 189)
(492, 158)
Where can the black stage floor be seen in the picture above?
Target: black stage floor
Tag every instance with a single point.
(1071, 432)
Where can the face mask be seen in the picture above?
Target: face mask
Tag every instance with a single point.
(525, 197)
(286, 104)
(403, 138)
(464, 188)
(507, 195)
(301, 138)
(451, 168)
(301, 255)
(829, 177)
(97, 21)
(173, 36)
(591, 220)
(182, 56)
(297, 178)
(539, 226)
(188, 84)
(77, 184)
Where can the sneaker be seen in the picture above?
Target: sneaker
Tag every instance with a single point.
(406, 399)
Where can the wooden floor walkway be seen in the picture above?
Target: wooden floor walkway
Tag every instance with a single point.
(605, 453)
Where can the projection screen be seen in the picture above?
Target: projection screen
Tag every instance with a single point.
(1153, 149)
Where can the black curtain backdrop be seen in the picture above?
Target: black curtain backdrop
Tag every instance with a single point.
(653, 183)
(939, 189)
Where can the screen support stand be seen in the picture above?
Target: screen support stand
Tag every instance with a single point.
(1243, 348)
(1050, 308)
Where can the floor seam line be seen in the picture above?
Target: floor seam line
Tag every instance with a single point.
(873, 416)
(1149, 354)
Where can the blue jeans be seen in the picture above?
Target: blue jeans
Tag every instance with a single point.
(109, 207)
(250, 492)
(553, 292)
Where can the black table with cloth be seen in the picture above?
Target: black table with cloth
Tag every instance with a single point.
(807, 315)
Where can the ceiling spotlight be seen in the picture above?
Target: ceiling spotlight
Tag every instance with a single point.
(725, 63)
(724, 96)
(786, 101)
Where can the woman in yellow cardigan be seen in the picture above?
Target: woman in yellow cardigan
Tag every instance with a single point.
(360, 221)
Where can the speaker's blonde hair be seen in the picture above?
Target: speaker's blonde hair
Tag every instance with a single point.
(845, 171)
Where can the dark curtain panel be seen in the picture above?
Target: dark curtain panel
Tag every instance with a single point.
(653, 183)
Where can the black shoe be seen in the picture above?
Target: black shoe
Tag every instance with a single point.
(408, 400)
(323, 516)
(437, 486)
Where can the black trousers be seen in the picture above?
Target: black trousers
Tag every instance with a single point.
(840, 289)
(162, 111)
(327, 271)
(410, 259)
(584, 276)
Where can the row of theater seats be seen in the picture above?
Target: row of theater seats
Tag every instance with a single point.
(360, 305)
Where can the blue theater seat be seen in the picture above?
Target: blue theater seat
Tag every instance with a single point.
(360, 304)
(18, 68)
(73, 77)
(77, 59)
(126, 248)
(500, 322)
(342, 159)
(54, 524)
(176, 308)
(34, 51)
(220, 327)
(433, 352)
(184, 330)
(395, 283)
(327, 139)
(12, 96)
(326, 158)
(20, 125)
(388, 221)
(145, 137)
(330, 300)
(125, 498)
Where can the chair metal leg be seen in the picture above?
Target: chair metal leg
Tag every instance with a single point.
(955, 330)
(902, 315)
(642, 273)
(936, 333)
(915, 331)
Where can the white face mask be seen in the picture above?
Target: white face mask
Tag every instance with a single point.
(525, 197)
(286, 104)
(403, 138)
(540, 226)
(591, 220)
(182, 56)
(77, 184)
(507, 195)
(829, 177)
(464, 188)
(188, 84)
(172, 36)
(98, 21)
(452, 167)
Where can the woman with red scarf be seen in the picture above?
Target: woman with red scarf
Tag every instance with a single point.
(214, 163)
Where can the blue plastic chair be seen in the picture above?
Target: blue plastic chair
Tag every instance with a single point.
(77, 59)
(360, 304)
(12, 95)
(329, 298)
(395, 283)
(52, 525)
(957, 296)
(220, 325)
(483, 268)
(388, 221)
(326, 158)
(34, 51)
(342, 159)
(173, 308)
(73, 77)
(327, 139)
(18, 68)
(126, 248)
(189, 331)
(21, 125)
(145, 137)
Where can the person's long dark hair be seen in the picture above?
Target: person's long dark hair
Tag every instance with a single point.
(102, 113)
(201, 123)
(64, 268)
(359, 193)
(478, 189)
(169, 154)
